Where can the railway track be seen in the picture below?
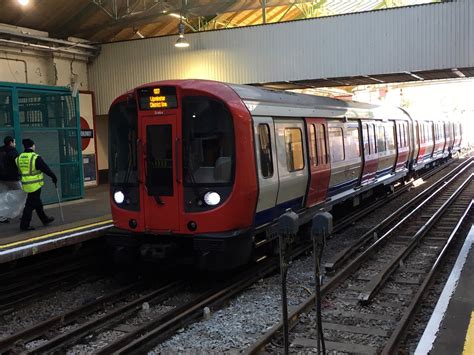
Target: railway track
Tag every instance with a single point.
(38, 278)
(114, 309)
(373, 233)
(369, 302)
(138, 338)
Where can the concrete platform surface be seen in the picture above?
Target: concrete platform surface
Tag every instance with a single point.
(81, 217)
(451, 327)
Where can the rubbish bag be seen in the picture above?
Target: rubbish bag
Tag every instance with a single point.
(11, 201)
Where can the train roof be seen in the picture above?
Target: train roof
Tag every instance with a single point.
(262, 101)
(277, 103)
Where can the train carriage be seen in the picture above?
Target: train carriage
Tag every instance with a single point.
(201, 170)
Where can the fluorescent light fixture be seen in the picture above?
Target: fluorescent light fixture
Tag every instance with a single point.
(23, 2)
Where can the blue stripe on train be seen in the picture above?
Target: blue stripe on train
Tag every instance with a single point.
(270, 214)
(341, 187)
(383, 172)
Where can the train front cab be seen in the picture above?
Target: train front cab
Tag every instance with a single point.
(177, 185)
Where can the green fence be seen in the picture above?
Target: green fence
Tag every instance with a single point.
(50, 117)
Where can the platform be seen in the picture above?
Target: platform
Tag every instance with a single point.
(83, 220)
(451, 327)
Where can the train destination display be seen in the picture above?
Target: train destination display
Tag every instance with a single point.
(153, 98)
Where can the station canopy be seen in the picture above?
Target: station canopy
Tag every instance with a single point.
(100, 21)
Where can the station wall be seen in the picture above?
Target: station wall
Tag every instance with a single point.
(423, 37)
(37, 67)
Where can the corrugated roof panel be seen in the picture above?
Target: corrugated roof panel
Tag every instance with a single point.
(380, 44)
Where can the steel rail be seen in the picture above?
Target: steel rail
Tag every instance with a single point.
(401, 328)
(377, 282)
(345, 272)
(59, 342)
(345, 254)
(29, 289)
(164, 326)
(63, 319)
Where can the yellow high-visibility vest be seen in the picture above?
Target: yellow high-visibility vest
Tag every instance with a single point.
(31, 178)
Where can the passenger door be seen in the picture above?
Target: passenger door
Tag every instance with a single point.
(402, 145)
(161, 175)
(267, 168)
(292, 172)
(370, 153)
(319, 166)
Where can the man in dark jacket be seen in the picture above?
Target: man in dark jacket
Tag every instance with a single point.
(32, 167)
(9, 173)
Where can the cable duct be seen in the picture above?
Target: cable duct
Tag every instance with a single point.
(50, 44)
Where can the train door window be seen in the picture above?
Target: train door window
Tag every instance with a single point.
(266, 162)
(294, 149)
(312, 145)
(352, 147)
(381, 139)
(336, 144)
(372, 136)
(390, 136)
(159, 160)
(321, 147)
(365, 128)
(402, 135)
(321, 142)
(405, 138)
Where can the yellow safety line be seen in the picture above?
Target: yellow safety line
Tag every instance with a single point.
(469, 342)
(5, 246)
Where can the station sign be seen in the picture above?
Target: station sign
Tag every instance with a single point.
(153, 98)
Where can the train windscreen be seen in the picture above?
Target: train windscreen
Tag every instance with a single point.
(208, 142)
(123, 170)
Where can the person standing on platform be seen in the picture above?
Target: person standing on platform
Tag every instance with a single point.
(32, 167)
(9, 177)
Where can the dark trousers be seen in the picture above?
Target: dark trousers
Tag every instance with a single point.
(33, 202)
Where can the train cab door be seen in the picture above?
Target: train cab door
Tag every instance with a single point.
(161, 180)
(319, 165)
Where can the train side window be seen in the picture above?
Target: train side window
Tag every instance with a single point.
(266, 162)
(352, 147)
(321, 143)
(336, 144)
(381, 139)
(294, 149)
(312, 146)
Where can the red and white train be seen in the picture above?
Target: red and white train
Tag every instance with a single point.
(201, 170)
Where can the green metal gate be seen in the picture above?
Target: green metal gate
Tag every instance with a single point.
(48, 115)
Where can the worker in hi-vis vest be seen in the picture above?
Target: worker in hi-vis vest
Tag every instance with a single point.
(32, 167)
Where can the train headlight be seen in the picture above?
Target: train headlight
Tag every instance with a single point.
(212, 198)
(119, 197)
